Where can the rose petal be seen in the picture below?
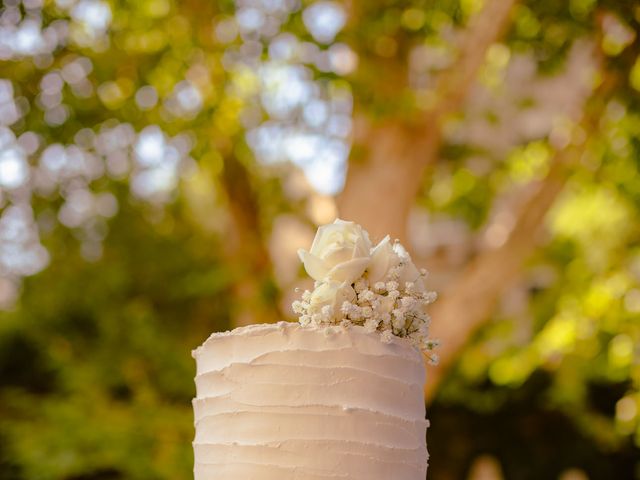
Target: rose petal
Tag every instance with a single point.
(333, 294)
(362, 246)
(401, 251)
(339, 221)
(382, 258)
(323, 294)
(408, 273)
(316, 240)
(419, 286)
(356, 234)
(367, 240)
(314, 266)
(349, 271)
(323, 238)
(337, 254)
(348, 292)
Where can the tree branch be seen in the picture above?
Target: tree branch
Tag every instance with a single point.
(471, 300)
(382, 186)
(485, 278)
(484, 29)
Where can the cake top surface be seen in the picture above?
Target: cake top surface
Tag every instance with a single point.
(286, 327)
(254, 329)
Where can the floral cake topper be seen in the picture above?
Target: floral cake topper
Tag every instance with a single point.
(356, 283)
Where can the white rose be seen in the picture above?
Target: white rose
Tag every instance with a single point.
(408, 272)
(331, 294)
(383, 258)
(340, 252)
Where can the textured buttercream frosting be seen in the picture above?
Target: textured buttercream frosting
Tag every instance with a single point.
(282, 401)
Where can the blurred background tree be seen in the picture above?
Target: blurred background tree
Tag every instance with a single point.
(161, 162)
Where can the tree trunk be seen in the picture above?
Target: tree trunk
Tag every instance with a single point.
(246, 250)
(380, 192)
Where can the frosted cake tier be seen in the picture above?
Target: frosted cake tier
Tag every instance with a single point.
(282, 401)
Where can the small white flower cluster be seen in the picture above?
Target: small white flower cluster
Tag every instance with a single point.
(388, 295)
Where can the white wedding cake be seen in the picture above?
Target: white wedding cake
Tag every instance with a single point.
(338, 395)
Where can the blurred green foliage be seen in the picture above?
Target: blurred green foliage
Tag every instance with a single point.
(95, 371)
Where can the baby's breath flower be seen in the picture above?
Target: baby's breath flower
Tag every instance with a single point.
(345, 308)
(316, 319)
(392, 285)
(367, 295)
(386, 336)
(355, 313)
(408, 303)
(423, 329)
(380, 287)
(398, 322)
(371, 324)
(297, 307)
(360, 285)
(326, 312)
(306, 295)
(367, 312)
(430, 297)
